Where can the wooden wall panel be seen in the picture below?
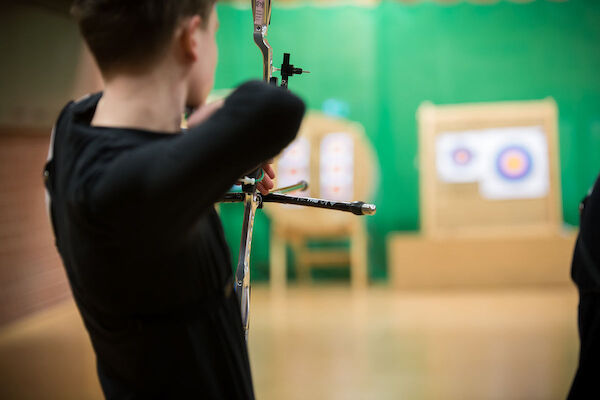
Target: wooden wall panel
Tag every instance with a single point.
(420, 262)
(31, 273)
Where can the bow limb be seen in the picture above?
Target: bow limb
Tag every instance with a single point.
(267, 55)
(261, 12)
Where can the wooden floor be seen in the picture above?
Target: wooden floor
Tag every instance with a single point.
(328, 343)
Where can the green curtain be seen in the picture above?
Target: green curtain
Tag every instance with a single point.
(381, 62)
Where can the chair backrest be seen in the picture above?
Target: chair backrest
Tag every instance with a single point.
(489, 169)
(336, 158)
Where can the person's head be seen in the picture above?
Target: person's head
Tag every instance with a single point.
(135, 36)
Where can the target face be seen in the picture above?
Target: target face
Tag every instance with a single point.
(293, 165)
(336, 166)
(462, 156)
(458, 158)
(514, 163)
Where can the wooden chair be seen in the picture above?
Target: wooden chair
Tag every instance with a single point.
(327, 150)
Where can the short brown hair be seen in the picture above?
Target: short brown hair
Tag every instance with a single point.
(132, 33)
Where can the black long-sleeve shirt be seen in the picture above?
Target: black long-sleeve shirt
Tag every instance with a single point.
(144, 249)
(585, 271)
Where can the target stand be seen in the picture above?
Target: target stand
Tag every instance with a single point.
(490, 199)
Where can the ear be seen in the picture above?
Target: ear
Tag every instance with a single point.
(188, 39)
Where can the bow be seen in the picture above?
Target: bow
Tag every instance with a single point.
(261, 13)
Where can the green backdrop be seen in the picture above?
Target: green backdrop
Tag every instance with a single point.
(381, 62)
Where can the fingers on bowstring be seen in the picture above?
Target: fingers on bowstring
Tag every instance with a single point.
(262, 189)
(265, 185)
(268, 168)
(267, 182)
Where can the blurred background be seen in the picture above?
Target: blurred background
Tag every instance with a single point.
(474, 126)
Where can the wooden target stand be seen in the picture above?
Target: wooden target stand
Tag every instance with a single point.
(468, 240)
(296, 226)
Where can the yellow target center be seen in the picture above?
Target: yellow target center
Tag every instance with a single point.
(514, 163)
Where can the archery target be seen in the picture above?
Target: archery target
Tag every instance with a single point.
(462, 156)
(516, 164)
(294, 165)
(336, 167)
(513, 163)
(457, 157)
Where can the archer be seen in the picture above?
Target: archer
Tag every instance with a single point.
(132, 199)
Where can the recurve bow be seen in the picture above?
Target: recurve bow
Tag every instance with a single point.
(261, 13)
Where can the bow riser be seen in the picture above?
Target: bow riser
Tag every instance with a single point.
(261, 12)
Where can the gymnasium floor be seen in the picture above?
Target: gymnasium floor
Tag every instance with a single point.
(327, 342)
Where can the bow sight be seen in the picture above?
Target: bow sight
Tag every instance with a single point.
(261, 12)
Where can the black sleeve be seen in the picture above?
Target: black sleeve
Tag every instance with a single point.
(166, 185)
(585, 269)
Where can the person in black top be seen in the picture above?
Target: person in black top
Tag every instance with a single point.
(585, 272)
(131, 199)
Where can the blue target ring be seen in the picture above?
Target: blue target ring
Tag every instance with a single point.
(514, 163)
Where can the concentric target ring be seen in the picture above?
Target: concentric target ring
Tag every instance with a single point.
(514, 163)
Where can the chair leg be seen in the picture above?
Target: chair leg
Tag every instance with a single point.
(302, 267)
(277, 261)
(358, 256)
